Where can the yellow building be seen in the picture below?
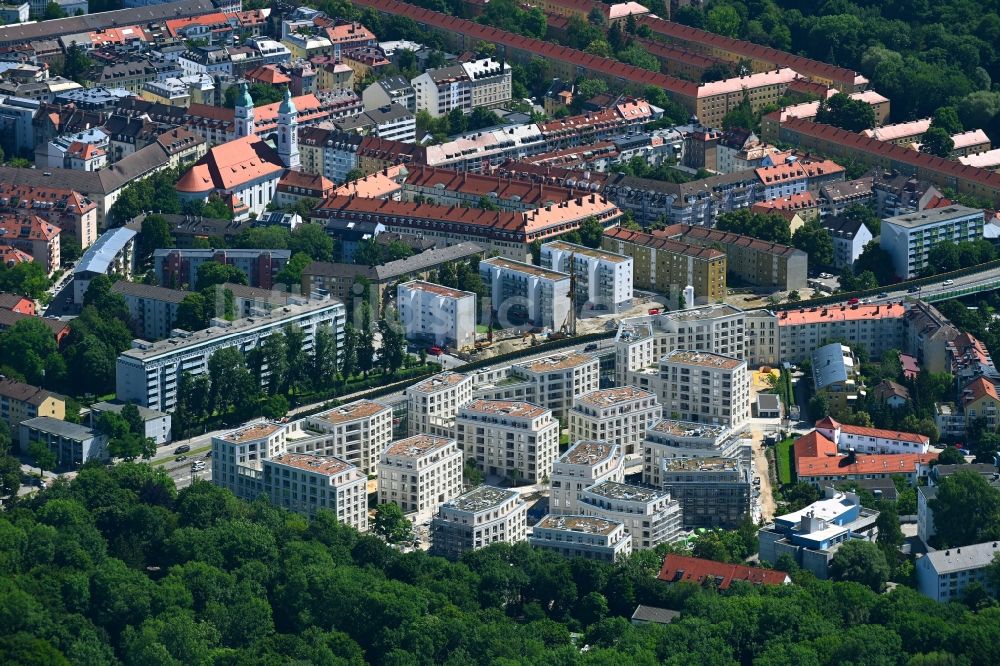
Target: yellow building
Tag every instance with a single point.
(668, 266)
(717, 98)
(981, 400)
(20, 402)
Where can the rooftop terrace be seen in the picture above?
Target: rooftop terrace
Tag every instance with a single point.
(481, 498)
(582, 524)
(417, 445)
(627, 492)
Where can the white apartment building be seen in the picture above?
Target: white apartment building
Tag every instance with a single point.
(642, 341)
(872, 440)
(944, 575)
(513, 439)
(524, 293)
(255, 460)
(148, 373)
(586, 463)
(420, 473)
(238, 456)
(621, 415)
(908, 238)
(551, 382)
(670, 439)
(463, 86)
(356, 432)
(485, 515)
(305, 483)
(432, 405)
(432, 312)
(582, 536)
(603, 279)
(705, 388)
(650, 516)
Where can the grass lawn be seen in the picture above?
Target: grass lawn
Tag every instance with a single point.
(783, 454)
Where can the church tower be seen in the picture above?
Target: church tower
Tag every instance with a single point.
(244, 112)
(288, 132)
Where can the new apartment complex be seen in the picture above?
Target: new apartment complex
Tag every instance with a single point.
(551, 382)
(705, 388)
(356, 432)
(586, 463)
(516, 440)
(485, 515)
(432, 404)
(713, 492)
(582, 536)
(420, 473)
(148, 373)
(650, 516)
(619, 415)
(670, 439)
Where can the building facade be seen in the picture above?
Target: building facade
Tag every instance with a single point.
(713, 492)
(586, 463)
(523, 293)
(650, 516)
(603, 279)
(515, 440)
(431, 312)
(356, 433)
(420, 473)
(620, 415)
(705, 388)
(485, 515)
(582, 536)
(432, 404)
(909, 238)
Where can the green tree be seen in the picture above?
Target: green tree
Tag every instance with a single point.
(393, 351)
(937, 141)
(211, 273)
(391, 524)
(353, 174)
(291, 274)
(770, 227)
(69, 251)
(191, 313)
(966, 510)
(723, 20)
(813, 238)
(847, 113)
(950, 456)
(232, 385)
(861, 562)
(274, 354)
(154, 235)
(946, 117)
(349, 362)
(42, 456)
(323, 369)
(312, 240)
(366, 340)
(591, 232)
(77, 64)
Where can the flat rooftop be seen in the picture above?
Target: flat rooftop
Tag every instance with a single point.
(528, 269)
(838, 313)
(613, 396)
(439, 382)
(481, 498)
(326, 465)
(557, 362)
(581, 524)
(436, 289)
(417, 445)
(688, 429)
(352, 411)
(967, 557)
(251, 433)
(627, 492)
(703, 359)
(516, 408)
(701, 464)
(701, 314)
(932, 216)
(824, 509)
(588, 452)
(586, 251)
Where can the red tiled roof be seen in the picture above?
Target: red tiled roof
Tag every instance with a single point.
(306, 181)
(891, 153)
(881, 433)
(27, 228)
(267, 74)
(230, 165)
(11, 256)
(804, 66)
(681, 569)
(527, 192)
(174, 26)
(978, 388)
(724, 237)
(544, 50)
(661, 243)
(890, 463)
(813, 445)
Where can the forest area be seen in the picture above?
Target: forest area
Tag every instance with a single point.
(119, 567)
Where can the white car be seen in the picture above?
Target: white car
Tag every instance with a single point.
(948, 283)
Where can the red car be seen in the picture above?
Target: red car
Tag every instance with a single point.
(435, 351)
(853, 301)
(653, 311)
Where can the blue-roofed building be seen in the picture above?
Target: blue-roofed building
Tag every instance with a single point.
(112, 253)
(812, 535)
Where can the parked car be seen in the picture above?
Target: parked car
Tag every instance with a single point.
(913, 290)
(183, 448)
(435, 351)
(884, 295)
(591, 347)
(654, 311)
(853, 301)
(180, 458)
(948, 283)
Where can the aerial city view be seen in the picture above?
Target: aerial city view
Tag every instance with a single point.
(542, 332)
